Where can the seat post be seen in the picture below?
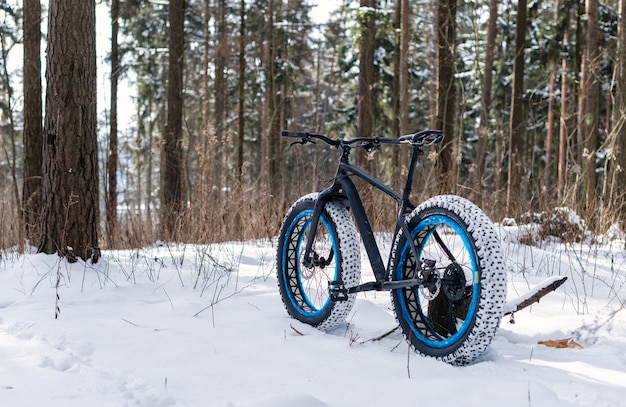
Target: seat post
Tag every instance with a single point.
(408, 187)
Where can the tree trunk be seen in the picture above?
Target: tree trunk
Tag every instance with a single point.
(577, 68)
(547, 177)
(367, 47)
(485, 107)
(172, 179)
(241, 93)
(273, 137)
(206, 17)
(617, 191)
(33, 144)
(446, 95)
(395, 97)
(70, 183)
(563, 132)
(433, 56)
(400, 88)
(12, 136)
(111, 200)
(395, 85)
(516, 124)
(588, 115)
(220, 97)
(405, 34)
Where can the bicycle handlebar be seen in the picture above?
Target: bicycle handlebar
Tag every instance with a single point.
(420, 139)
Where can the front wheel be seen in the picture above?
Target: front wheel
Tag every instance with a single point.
(336, 257)
(454, 314)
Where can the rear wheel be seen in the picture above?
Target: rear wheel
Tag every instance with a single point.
(454, 315)
(336, 256)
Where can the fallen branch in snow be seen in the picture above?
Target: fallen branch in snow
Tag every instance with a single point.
(295, 330)
(386, 334)
(383, 336)
(534, 295)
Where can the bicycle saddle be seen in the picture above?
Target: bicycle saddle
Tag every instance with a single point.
(424, 137)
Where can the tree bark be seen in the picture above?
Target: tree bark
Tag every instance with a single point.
(485, 107)
(395, 85)
(172, 178)
(111, 199)
(548, 173)
(220, 96)
(446, 95)
(588, 116)
(516, 124)
(206, 18)
(400, 87)
(33, 140)
(367, 47)
(274, 162)
(405, 34)
(563, 126)
(241, 93)
(12, 158)
(70, 182)
(617, 191)
(433, 59)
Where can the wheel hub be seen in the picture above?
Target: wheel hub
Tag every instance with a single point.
(454, 282)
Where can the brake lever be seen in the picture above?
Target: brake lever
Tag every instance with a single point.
(302, 141)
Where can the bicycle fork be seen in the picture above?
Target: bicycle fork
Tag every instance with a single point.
(312, 259)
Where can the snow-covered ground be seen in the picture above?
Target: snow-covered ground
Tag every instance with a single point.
(205, 326)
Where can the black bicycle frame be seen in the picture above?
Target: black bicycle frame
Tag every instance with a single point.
(342, 189)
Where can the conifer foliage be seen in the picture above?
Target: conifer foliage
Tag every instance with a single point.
(533, 122)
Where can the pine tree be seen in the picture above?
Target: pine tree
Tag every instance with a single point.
(33, 144)
(111, 199)
(516, 126)
(588, 114)
(617, 179)
(70, 170)
(446, 94)
(172, 178)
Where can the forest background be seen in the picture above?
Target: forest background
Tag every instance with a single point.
(531, 97)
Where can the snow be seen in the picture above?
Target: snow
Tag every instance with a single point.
(188, 325)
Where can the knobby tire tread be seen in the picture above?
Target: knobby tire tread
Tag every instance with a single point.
(492, 280)
(349, 267)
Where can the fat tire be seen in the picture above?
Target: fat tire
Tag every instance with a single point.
(325, 314)
(475, 322)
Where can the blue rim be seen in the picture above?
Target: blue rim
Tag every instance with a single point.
(428, 222)
(296, 305)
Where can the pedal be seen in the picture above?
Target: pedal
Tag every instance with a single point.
(337, 291)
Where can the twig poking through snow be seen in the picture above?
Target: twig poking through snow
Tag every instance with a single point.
(132, 323)
(295, 330)
(168, 297)
(383, 336)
